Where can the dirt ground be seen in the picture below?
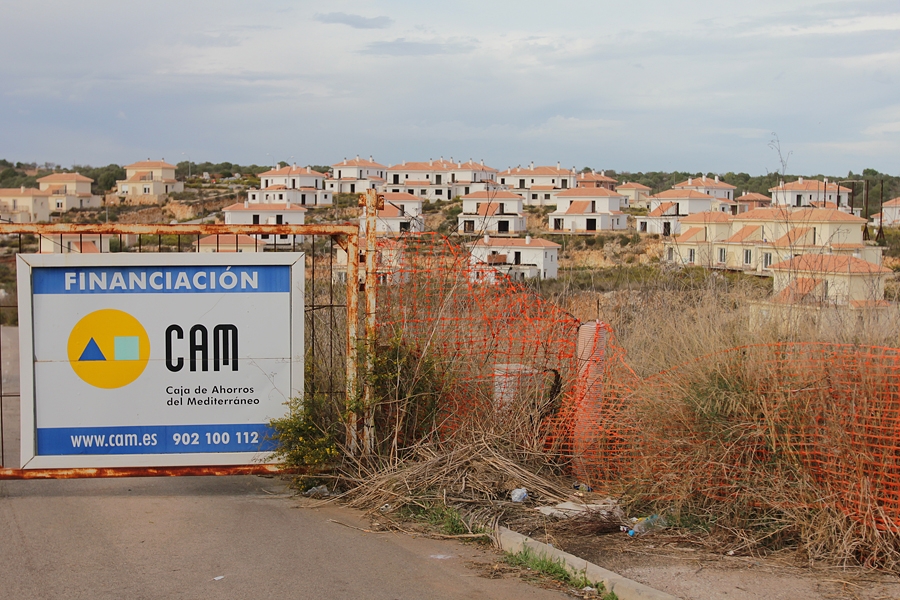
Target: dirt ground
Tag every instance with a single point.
(688, 567)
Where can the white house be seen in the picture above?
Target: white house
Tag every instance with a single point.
(440, 179)
(517, 258)
(495, 212)
(291, 185)
(667, 207)
(889, 215)
(24, 205)
(390, 260)
(262, 213)
(402, 213)
(539, 185)
(636, 194)
(154, 179)
(705, 185)
(356, 176)
(810, 192)
(587, 210)
(68, 191)
(591, 179)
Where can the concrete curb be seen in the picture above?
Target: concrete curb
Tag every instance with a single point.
(625, 588)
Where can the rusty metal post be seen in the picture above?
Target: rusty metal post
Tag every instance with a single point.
(352, 340)
(374, 201)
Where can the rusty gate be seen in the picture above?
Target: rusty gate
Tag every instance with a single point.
(331, 309)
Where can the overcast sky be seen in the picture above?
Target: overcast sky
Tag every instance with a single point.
(696, 85)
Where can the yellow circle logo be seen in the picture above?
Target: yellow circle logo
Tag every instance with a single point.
(108, 348)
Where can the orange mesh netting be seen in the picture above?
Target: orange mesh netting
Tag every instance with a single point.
(787, 424)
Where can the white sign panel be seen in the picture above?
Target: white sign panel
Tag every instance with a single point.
(156, 359)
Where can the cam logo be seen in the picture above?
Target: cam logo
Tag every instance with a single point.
(108, 348)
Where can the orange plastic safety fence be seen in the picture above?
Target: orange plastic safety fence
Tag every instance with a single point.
(490, 346)
(779, 425)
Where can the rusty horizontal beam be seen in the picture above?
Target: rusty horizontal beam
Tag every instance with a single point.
(266, 469)
(176, 229)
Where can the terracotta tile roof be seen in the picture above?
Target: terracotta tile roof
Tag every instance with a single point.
(289, 170)
(894, 202)
(474, 166)
(150, 164)
(488, 209)
(86, 247)
(492, 195)
(792, 237)
(515, 243)
(632, 186)
(829, 263)
(710, 216)
(65, 178)
(689, 194)
(825, 204)
(518, 171)
(390, 212)
(18, 192)
(595, 177)
(743, 233)
(661, 210)
(359, 162)
(434, 165)
(140, 176)
(265, 206)
(687, 235)
(704, 182)
(592, 192)
(579, 207)
(808, 185)
(753, 197)
(803, 215)
(275, 187)
(400, 197)
(797, 290)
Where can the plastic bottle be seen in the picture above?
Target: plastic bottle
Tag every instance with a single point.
(646, 524)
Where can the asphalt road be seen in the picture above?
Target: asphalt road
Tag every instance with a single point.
(172, 537)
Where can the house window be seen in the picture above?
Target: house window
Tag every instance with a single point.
(423, 192)
(565, 183)
(404, 226)
(58, 204)
(748, 257)
(437, 179)
(722, 255)
(396, 178)
(557, 224)
(503, 180)
(691, 255)
(427, 176)
(468, 226)
(439, 192)
(767, 260)
(256, 219)
(521, 184)
(502, 226)
(546, 196)
(466, 193)
(281, 196)
(303, 199)
(591, 224)
(643, 227)
(146, 189)
(670, 254)
(534, 196)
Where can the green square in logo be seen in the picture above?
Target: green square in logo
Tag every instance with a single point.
(127, 348)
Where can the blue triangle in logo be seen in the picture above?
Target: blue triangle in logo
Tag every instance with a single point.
(92, 352)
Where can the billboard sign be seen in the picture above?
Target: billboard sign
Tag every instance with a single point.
(131, 360)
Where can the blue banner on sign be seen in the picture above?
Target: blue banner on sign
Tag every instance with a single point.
(159, 439)
(162, 280)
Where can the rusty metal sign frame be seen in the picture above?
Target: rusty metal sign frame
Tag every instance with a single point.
(345, 235)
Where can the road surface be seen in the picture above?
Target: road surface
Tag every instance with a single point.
(173, 537)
